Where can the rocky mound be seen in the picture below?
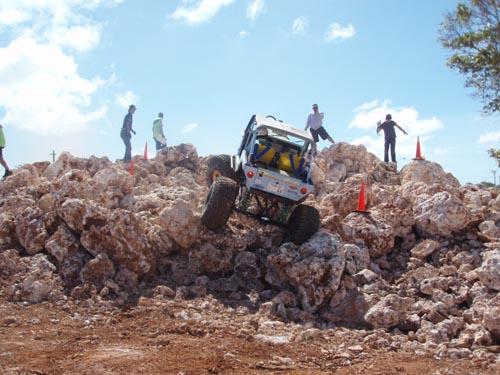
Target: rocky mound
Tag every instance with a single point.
(422, 263)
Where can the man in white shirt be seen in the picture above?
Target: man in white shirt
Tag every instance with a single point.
(315, 123)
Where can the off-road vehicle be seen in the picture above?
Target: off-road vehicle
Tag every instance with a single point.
(268, 178)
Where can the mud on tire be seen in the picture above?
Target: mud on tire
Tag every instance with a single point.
(302, 224)
(219, 203)
(219, 165)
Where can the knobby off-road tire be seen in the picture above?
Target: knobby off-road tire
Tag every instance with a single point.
(302, 224)
(219, 203)
(219, 165)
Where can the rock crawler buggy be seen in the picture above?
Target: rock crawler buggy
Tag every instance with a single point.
(268, 179)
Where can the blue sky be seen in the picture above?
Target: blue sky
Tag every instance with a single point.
(70, 68)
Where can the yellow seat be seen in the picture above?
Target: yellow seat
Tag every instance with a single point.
(264, 152)
(291, 163)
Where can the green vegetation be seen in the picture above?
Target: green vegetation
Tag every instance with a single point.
(472, 33)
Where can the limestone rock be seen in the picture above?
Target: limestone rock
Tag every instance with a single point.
(422, 260)
(430, 173)
(441, 214)
(180, 223)
(122, 238)
(364, 230)
(425, 248)
(388, 311)
(489, 273)
(313, 269)
(30, 230)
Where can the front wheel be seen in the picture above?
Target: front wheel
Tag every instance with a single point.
(302, 224)
(219, 203)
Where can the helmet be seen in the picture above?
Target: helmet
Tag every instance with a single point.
(388, 117)
(262, 131)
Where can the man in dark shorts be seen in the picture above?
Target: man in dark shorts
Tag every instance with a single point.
(8, 172)
(315, 122)
(390, 137)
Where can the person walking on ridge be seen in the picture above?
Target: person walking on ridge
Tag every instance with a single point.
(390, 136)
(158, 136)
(126, 131)
(8, 172)
(315, 122)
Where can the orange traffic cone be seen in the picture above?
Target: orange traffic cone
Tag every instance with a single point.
(418, 156)
(131, 169)
(146, 151)
(361, 201)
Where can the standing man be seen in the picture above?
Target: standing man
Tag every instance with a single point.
(8, 172)
(158, 136)
(125, 132)
(390, 137)
(315, 122)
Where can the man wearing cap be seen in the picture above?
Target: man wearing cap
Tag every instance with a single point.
(158, 136)
(125, 132)
(315, 122)
(390, 136)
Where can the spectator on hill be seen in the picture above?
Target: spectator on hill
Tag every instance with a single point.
(126, 131)
(390, 136)
(8, 172)
(158, 136)
(315, 122)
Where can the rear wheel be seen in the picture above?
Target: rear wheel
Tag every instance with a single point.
(219, 203)
(302, 224)
(219, 165)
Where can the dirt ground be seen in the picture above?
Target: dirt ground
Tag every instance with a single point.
(160, 336)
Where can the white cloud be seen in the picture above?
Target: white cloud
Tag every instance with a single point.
(492, 137)
(80, 38)
(126, 98)
(45, 95)
(367, 115)
(92, 4)
(370, 105)
(244, 33)
(41, 89)
(12, 17)
(59, 8)
(37, 17)
(299, 25)
(337, 31)
(202, 11)
(47, 21)
(189, 128)
(255, 8)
